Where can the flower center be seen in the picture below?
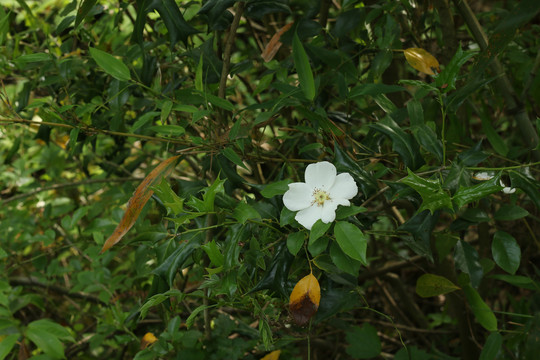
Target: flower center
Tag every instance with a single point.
(320, 196)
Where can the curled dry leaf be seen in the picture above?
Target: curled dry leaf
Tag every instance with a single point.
(138, 200)
(304, 299)
(147, 340)
(274, 44)
(274, 355)
(422, 60)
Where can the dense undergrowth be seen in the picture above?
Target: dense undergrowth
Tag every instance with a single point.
(430, 106)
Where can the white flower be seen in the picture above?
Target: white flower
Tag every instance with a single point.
(319, 197)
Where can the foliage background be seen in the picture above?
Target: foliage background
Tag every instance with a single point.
(95, 94)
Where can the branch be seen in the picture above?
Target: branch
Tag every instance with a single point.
(67, 185)
(228, 49)
(32, 281)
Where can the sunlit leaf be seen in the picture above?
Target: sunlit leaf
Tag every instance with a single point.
(351, 240)
(304, 299)
(112, 66)
(147, 340)
(274, 44)
(138, 200)
(433, 285)
(274, 355)
(422, 60)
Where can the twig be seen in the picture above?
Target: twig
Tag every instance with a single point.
(32, 281)
(67, 185)
(228, 49)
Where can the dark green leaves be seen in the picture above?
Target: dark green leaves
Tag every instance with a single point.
(303, 68)
(474, 193)
(402, 142)
(363, 342)
(434, 197)
(506, 252)
(480, 309)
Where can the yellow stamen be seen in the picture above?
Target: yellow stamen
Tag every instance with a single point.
(320, 196)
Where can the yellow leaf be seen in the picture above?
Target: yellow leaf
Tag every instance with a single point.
(274, 355)
(147, 340)
(422, 60)
(274, 44)
(138, 200)
(304, 299)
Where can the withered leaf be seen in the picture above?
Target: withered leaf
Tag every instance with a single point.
(138, 200)
(274, 355)
(422, 60)
(274, 44)
(304, 299)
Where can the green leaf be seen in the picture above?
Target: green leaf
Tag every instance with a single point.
(46, 335)
(343, 261)
(83, 10)
(275, 278)
(191, 318)
(318, 230)
(524, 282)
(244, 212)
(481, 311)
(492, 347)
(234, 157)
(168, 130)
(303, 68)
(344, 212)
(373, 89)
(214, 254)
(112, 66)
(506, 252)
(168, 268)
(364, 343)
(277, 188)
(494, 139)
(199, 75)
(173, 19)
(351, 240)
(295, 241)
(166, 108)
(531, 187)
(509, 212)
(158, 299)
(476, 192)
(450, 73)
(467, 260)
(434, 197)
(427, 138)
(6, 344)
(219, 102)
(403, 143)
(429, 285)
(210, 193)
(421, 225)
(318, 246)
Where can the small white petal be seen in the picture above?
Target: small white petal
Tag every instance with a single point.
(298, 197)
(508, 190)
(344, 187)
(309, 216)
(329, 211)
(482, 176)
(321, 175)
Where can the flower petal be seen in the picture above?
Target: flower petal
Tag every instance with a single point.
(298, 197)
(344, 188)
(328, 213)
(321, 175)
(309, 216)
